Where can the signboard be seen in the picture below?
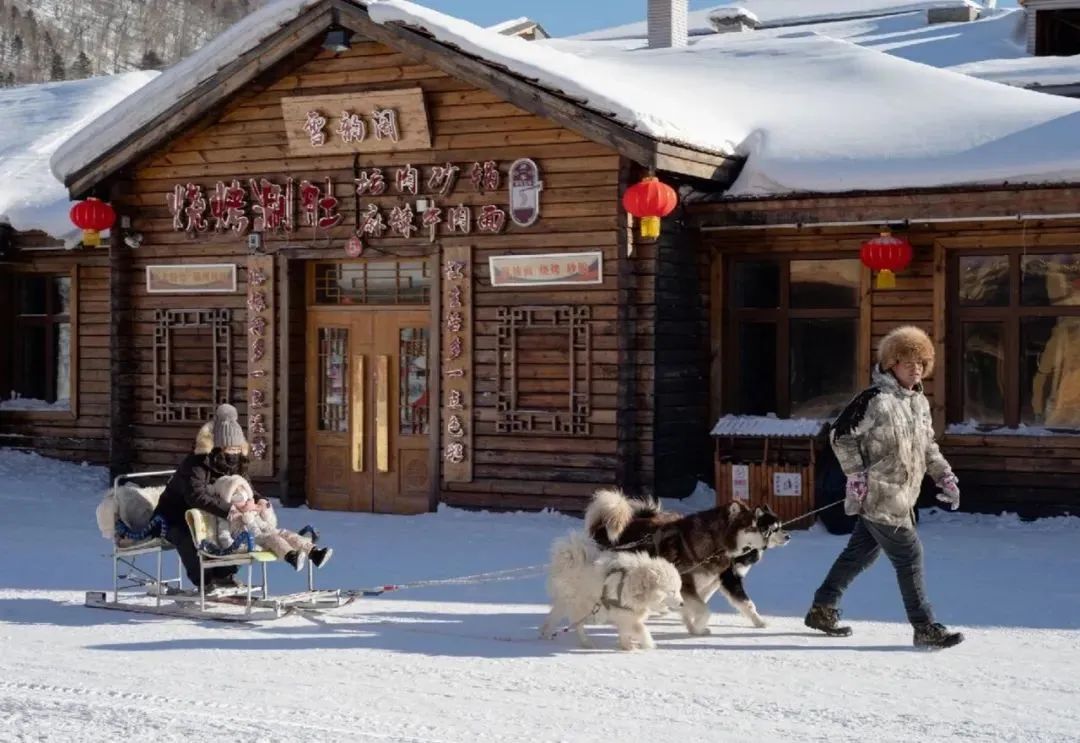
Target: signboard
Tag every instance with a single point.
(787, 484)
(547, 270)
(260, 309)
(380, 121)
(193, 278)
(740, 481)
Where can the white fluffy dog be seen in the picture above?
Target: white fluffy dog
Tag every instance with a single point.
(588, 585)
(128, 503)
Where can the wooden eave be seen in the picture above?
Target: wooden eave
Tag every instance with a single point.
(314, 22)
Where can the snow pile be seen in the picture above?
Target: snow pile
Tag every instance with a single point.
(35, 121)
(766, 425)
(29, 403)
(462, 662)
(975, 428)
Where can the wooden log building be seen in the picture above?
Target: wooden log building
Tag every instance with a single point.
(412, 272)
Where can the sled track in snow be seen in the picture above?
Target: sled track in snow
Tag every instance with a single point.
(166, 710)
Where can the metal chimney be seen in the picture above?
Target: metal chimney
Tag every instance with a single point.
(667, 23)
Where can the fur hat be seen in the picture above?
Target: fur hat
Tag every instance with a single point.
(906, 343)
(227, 431)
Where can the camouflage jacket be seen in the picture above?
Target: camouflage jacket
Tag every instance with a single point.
(887, 433)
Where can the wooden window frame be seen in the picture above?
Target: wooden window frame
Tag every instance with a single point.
(1047, 29)
(782, 316)
(1011, 316)
(71, 271)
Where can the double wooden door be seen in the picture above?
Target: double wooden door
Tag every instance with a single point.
(368, 410)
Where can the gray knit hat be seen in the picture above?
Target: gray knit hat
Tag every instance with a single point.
(227, 431)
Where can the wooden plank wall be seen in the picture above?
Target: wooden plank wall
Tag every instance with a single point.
(1030, 475)
(84, 437)
(579, 212)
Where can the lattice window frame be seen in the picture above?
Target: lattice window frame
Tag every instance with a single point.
(573, 420)
(219, 321)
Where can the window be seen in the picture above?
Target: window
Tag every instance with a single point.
(792, 331)
(1057, 32)
(382, 282)
(1015, 339)
(38, 362)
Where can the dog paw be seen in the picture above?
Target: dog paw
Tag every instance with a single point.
(702, 631)
(759, 622)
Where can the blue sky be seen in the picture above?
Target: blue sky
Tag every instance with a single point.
(564, 17)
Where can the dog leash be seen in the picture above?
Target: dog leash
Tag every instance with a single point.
(492, 577)
(811, 513)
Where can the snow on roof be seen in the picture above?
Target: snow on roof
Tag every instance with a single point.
(512, 23)
(766, 425)
(809, 113)
(785, 13)
(34, 121)
(175, 82)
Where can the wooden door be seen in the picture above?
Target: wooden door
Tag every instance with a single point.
(369, 425)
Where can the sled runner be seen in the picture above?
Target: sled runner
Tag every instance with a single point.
(139, 589)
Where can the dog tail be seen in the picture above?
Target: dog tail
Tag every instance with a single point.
(610, 512)
(571, 553)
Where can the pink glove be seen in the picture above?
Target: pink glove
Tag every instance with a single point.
(950, 490)
(857, 487)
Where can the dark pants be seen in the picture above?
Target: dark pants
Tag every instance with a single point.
(180, 536)
(904, 550)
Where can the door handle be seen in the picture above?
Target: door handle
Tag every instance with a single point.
(358, 413)
(382, 414)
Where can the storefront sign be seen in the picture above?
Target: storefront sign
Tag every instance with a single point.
(260, 340)
(525, 187)
(383, 121)
(547, 269)
(195, 278)
(457, 366)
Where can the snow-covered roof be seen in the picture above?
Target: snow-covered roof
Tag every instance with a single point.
(808, 112)
(784, 13)
(34, 121)
(758, 426)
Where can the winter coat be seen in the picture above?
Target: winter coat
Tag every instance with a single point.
(191, 485)
(234, 490)
(886, 432)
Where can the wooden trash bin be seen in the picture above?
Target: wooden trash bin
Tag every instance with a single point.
(762, 460)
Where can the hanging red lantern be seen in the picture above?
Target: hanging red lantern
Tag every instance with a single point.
(649, 200)
(92, 216)
(886, 255)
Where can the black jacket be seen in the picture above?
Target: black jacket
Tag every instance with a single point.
(192, 487)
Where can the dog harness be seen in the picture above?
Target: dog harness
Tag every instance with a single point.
(616, 602)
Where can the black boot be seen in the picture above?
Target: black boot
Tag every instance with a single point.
(826, 619)
(296, 559)
(936, 636)
(319, 556)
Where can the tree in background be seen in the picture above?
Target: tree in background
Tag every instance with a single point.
(151, 61)
(81, 67)
(56, 67)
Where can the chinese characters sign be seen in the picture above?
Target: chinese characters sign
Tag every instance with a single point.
(260, 345)
(547, 269)
(383, 121)
(457, 366)
(195, 278)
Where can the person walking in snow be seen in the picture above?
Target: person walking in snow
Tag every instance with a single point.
(222, 452)
(884, 441)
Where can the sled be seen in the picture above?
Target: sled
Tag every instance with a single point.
(145, 591)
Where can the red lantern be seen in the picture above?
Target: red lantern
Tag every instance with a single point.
(92, 216)
(886, 255)
(649, 200)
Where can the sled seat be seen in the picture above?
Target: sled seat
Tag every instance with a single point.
(126, 550)
(202, 529)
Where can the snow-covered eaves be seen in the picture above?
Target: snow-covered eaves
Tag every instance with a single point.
(35, 120)
(760, 426)
(523, 27)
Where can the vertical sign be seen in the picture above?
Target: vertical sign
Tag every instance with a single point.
(260, 340)
(740, 481)
(457, 368)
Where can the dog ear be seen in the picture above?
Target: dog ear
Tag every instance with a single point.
(735, 509)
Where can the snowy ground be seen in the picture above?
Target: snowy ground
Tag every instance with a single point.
(464, 664)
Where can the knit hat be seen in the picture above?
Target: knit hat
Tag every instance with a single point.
(227, 431)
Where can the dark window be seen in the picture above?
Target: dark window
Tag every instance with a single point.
(793, 326)
(1057, 33)
(1015, 341)
(37, 368)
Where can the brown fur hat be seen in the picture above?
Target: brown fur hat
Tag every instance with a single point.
(906, 343)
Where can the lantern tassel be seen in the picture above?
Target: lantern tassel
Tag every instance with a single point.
(91, 238)
(650, 226)
(886, 279)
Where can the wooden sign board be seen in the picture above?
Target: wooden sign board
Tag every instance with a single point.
(548, 269)
(380, 121)
(457, 364)
(191, 278)
(260, 338)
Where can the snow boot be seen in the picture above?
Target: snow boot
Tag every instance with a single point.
(296, 559)
(319, 556)
(826, 619)
(933, 636)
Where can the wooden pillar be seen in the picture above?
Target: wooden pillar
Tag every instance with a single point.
(628, 446)
(121, 355)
